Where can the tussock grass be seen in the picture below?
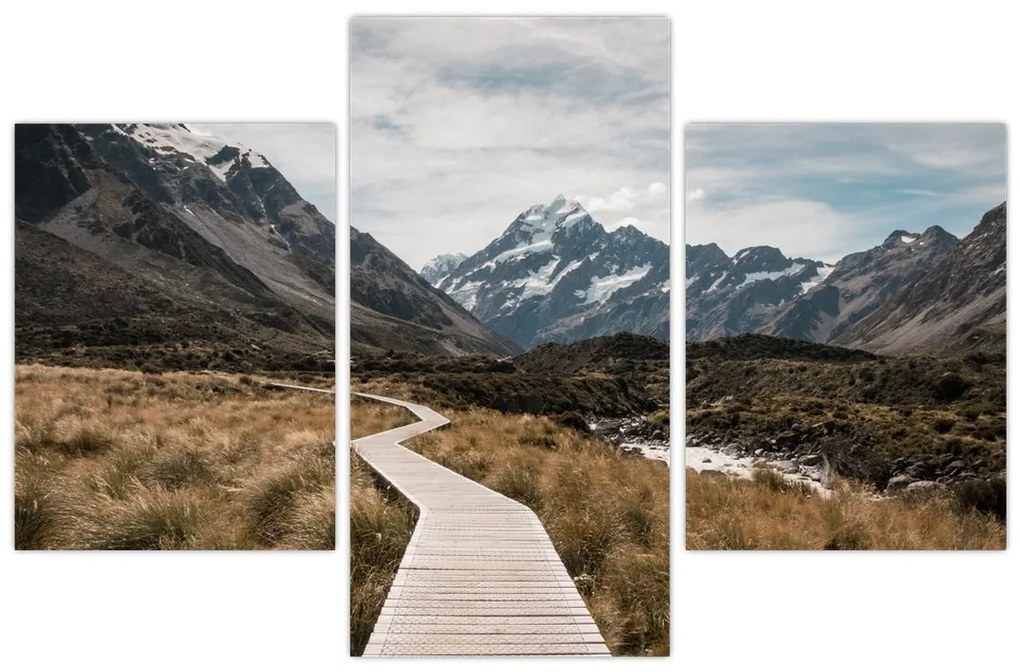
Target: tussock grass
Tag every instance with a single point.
(371, 417)
(34, 514)
(381, 525)
(270, 502)
(729, 513)
(148, 519)
(607, 514)
(109, 459)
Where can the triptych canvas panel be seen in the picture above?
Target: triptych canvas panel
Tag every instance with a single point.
(505, 357)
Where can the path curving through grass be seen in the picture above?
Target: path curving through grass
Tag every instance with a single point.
(479, 575)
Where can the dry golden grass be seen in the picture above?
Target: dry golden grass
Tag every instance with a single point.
(607, 515)
(109, 459)
(729, 513)
(381, 524)
(371, 417)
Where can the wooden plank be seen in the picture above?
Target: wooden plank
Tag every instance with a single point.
(480, 575)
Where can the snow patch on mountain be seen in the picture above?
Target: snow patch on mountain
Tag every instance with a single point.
(602, 288)
(439, 267)
(823, 272)
(793, 269)
(544, 243)
(168, 139)
(538, 282)
(467, 294)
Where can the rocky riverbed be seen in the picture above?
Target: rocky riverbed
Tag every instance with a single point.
(792, 454)
(729, 461)
(633, 436)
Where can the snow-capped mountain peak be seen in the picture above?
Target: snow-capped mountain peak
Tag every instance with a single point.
(440, 266)
(555, 263)
(545, 218)
(218, 154)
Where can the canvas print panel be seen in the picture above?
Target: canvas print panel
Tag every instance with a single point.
(173, 283)
(510, 289)
(846, 336)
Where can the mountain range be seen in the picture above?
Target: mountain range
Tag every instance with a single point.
(915, 290)
(153, 244)
(556, 275)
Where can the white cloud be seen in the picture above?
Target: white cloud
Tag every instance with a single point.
(799, 228)
(646, 208)
(824, 190)
(658, 230)
(458, 125)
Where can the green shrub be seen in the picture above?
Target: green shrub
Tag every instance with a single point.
(572, 420)
(949, 387)
(984, 496)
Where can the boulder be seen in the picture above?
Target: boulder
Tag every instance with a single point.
(811, 460)
(786, 439)
(897, 483)
(921, 471)
(787, 466)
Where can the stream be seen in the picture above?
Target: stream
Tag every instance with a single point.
(728, 461)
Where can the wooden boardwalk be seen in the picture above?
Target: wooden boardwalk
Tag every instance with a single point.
(479, 576)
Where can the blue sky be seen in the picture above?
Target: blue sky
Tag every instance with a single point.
(457, 125)
(825, 190)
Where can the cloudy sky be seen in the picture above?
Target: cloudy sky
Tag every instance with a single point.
(825, 190)
(305, 153)
(457, 125)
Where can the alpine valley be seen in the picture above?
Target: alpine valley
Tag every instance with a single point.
(150, 245)
(555, 317)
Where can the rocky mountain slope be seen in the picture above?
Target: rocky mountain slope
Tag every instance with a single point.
(860, 284)
(736, 295)
(959, 303)
(439, 267)
(394, 308)
(169, 248)
(556, 274)
(915, 290)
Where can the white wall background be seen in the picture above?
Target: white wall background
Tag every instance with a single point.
(780, 60)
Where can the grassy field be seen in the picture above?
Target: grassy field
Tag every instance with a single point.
(607, 515)
(110, 459)
(767, 513)
(381, 524)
